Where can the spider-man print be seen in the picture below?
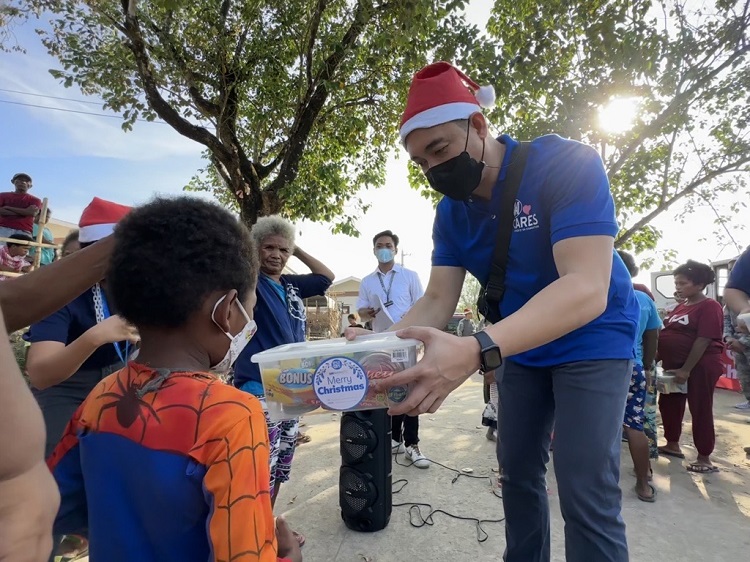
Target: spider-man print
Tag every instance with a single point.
(163, 466)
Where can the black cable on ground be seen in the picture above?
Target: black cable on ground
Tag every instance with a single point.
(418, 519)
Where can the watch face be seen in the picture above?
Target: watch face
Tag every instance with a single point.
(492, 359)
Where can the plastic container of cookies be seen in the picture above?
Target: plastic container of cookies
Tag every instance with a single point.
(334, 375)
(666, 384)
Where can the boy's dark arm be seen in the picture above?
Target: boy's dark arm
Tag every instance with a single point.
(31, 297)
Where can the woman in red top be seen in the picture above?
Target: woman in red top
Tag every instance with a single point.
(690, 346)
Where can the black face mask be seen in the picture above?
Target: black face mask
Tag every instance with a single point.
(458, 177)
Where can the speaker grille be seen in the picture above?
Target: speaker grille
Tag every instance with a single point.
(359, 492)
(357, 439)
(365, 486)
(353, 428)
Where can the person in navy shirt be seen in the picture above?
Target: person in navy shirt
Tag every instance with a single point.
(80, 344)
(281, 318)
(77, 346)
(570, 316)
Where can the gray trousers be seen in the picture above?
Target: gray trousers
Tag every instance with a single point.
(585, 403)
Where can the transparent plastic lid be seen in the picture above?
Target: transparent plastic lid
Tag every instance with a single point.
(322, 348)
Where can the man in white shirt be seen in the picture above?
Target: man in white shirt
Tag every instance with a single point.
(385, 296)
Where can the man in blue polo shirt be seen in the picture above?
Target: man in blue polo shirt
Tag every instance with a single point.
(569, 313)
(737, 294)
(280, 315)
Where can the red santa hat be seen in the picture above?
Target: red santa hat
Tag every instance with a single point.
(440, 93)
(98, 220)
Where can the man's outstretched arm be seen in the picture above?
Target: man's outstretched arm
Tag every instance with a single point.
(31, 297)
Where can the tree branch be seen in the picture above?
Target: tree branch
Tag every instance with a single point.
(721, 220)
(224, 10)
(264, 170)
(667, 168)
(240, 44)
(221, 169)
(358, 102)
(314, 25)
(676, 104)
(137, 46)
(308, 113)
(206, 107)
(688, 190)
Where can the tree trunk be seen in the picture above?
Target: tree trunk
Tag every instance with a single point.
(251, 208)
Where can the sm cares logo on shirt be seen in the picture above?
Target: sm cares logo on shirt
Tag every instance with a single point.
(524, 218)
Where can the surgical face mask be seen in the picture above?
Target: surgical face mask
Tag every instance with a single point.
(458, 177)
(236, 343)
(384, 255)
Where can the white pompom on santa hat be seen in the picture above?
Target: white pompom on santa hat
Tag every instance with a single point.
(440, 93)
(99, 219)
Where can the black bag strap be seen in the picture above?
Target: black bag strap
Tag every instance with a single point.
(492, 293)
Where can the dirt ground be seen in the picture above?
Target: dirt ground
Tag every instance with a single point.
(694, 518)
(705, 518)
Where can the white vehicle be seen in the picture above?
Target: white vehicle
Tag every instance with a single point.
(662, 284)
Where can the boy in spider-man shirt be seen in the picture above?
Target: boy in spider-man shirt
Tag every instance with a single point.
(163, 462)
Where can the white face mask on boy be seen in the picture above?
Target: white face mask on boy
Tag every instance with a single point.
(237, 342)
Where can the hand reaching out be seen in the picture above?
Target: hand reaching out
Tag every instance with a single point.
(115, 329)
(448, 361)
(288, 544)
(735, 345)
(352, 333)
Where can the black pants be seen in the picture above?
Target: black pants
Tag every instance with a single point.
(58, 404)
(405, 428)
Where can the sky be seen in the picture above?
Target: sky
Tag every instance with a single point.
(74, 157)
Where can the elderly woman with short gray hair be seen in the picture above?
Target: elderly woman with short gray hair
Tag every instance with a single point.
(280, 315)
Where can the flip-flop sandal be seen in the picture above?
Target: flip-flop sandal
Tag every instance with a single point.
(300, 538)
(702, 468)
(669, 453)
(647, 499)
(303, 438)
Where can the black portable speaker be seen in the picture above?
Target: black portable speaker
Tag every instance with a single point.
(365, 492)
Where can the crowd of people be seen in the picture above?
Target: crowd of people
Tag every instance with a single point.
(157, 433)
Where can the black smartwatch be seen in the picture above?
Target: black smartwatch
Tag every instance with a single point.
(490, 356)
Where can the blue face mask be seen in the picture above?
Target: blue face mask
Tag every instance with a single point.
(384, 255)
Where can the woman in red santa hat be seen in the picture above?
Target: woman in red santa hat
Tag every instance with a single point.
(83, 342)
